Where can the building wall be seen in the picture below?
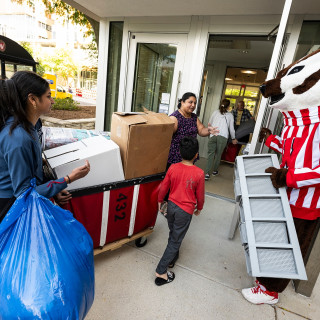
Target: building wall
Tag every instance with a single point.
(197, 29)
(24, 22)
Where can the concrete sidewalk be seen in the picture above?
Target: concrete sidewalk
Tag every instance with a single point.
(210, 273)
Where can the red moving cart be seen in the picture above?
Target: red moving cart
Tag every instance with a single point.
(119, 212)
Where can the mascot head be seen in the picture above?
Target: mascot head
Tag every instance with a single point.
(297, 86)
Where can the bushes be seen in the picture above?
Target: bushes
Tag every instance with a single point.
(65, 104)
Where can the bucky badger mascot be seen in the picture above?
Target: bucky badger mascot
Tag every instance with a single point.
(296, 92)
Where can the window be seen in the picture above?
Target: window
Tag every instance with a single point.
(252, 92)
(232, 90)
(309, 39)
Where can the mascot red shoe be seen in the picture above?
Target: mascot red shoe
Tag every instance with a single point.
(296, 92)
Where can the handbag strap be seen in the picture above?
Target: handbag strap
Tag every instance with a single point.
(225, 118)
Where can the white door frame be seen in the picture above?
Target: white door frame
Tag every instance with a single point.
(271, 72)
(176, 39)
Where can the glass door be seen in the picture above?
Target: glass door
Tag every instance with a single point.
(155, 64)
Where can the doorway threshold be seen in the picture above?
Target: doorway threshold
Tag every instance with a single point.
(213, 195)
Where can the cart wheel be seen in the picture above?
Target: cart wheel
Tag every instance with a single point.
(141, 242)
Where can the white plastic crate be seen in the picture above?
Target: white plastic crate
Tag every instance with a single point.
(266, 225)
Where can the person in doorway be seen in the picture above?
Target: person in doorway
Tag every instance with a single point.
(241, 115)
(186, 123)
(23, 99)
(224, 121)
(186, 184)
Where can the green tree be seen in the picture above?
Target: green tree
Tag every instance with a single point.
(61, 63)
(40, 67)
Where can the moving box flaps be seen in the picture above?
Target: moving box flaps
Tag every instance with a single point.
(144, 142)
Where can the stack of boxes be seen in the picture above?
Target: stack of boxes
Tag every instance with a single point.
(118, 198)
(143, 141)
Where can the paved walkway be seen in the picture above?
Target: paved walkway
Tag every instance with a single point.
(210, 273)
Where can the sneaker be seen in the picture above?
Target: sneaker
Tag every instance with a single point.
(214, 173)
(207, 176)
(260, 295)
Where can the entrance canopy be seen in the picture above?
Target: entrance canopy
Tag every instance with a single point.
(123, 8)
(12, 53)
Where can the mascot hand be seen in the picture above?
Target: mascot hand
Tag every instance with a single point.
(278, 176)
(264, 134)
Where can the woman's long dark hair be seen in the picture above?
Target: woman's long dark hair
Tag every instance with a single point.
(14, 94)
(223, 108)
(185, 97)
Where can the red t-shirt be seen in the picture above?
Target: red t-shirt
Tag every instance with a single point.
(186, 184)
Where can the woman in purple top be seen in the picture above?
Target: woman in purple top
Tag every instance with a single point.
(186, 123)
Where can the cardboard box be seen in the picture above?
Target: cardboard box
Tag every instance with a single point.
(103, 155)
(144, 140)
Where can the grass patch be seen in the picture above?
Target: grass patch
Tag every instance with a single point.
(65, 104)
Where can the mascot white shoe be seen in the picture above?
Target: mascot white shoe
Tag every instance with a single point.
(296, 92)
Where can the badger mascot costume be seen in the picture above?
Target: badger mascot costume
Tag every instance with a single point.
(296, 93)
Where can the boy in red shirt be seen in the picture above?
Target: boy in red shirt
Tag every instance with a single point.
(186, 184)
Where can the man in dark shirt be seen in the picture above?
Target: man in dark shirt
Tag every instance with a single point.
(240, 115)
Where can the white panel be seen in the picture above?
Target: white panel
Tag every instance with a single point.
(268, 232)
(159, 20)
(105, 216)
(288, 57)
(134, 209)
(170, 28)
(241, 29)
(245, 20)
(197, 47)
(124, 66)
(272, 68)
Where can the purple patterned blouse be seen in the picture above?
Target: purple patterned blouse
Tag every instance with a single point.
(186, 127)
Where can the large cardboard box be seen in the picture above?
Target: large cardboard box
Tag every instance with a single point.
(144, 140)
(103, 155)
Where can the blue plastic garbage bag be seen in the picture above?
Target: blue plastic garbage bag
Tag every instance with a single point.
(46, 262)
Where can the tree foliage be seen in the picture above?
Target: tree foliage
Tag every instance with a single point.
(40, 67)
(61, 63)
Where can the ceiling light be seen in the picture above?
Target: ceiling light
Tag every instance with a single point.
(228, 79)
(243, 51)
(249, 71)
